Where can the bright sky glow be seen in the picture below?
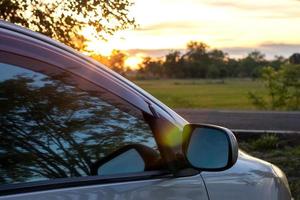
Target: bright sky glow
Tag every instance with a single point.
(225, 24)
(134, 61)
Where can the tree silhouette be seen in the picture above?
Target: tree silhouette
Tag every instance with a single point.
(295, 58)
(196, 50)
(151, 68)
(63, 20)
(217, 65)
(251, 65)
(173, 65)
(50, 129)
(196, 59)
(199, 61)
(117, 61)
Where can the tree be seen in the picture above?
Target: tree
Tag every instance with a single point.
(196, 60)
(196, 50)
(232, 67)
(252, 64)
(217, 66)
(63, 20)
(295, 58)
(277, 62)
(100, 58)
(151, 68)
(283, 89)
(173, 67)
(116, 61)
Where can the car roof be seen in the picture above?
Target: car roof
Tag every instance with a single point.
(37, 36)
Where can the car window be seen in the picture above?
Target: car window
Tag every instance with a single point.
(55, 125)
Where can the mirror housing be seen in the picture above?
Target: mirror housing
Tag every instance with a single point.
(209, 147)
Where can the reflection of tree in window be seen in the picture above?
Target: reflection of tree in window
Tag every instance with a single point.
(53, 130)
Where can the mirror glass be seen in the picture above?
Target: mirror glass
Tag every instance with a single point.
(128, 162)
(208, 148)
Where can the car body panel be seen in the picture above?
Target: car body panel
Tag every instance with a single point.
(186, 188)
(249, 178)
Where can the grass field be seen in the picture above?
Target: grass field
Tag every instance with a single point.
(202, 93)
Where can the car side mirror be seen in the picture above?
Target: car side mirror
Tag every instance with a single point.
(132, 158)
(209, 147)
(129, 161)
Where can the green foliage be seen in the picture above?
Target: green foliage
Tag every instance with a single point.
(266, 142)
(63, 20)
(283, 88)
(250, 66)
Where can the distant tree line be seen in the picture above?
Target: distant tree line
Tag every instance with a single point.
(280, 76)
(200, 62)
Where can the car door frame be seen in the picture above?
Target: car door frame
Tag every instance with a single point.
(15, 45)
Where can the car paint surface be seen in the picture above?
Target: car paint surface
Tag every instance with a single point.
(186, 188)
(249, 178)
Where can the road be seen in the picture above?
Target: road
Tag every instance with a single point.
(247, 120)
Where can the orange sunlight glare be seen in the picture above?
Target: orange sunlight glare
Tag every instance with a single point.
(133, 61)
(94, 44)
(97, 46)
(235, 25)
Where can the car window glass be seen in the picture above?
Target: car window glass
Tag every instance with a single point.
(54, 127)
(131, 161)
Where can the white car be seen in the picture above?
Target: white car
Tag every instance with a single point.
(70, 128)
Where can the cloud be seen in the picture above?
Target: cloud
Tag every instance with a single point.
(263, 9)
(151, 52)
(172, 26)
(239, 5)
(269, 49)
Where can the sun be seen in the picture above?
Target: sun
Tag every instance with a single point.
(133, 61)
(105, 48)
(94, 45)
(99, 47)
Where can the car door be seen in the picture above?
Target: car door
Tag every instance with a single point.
(56, 124)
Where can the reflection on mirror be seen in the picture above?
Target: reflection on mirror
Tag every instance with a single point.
(208, 148)
(128, 162)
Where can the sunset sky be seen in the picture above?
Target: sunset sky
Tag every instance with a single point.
(235, 26)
